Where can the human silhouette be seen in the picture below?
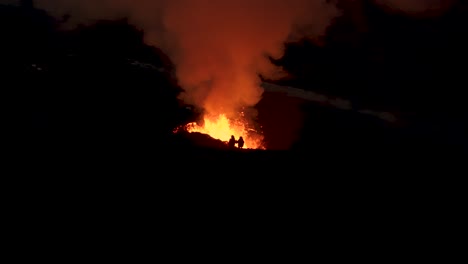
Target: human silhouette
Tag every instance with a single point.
(232, 142)
(240, 142)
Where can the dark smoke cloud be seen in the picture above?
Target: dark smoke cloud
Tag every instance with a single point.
(219, 47)
(422, 8)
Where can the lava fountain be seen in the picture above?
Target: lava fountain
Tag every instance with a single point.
(222, 128)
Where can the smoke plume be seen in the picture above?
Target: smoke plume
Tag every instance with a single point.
(219, 47)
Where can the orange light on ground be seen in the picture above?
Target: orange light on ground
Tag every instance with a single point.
(220, 127)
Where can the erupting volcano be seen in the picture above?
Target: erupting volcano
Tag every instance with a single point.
(220, 49)
(220, 127)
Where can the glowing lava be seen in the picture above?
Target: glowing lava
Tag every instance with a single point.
(220, 127)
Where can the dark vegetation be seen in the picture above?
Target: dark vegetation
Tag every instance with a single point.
(97, 86)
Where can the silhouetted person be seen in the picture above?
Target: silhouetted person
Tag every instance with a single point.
(240, 142)
(232, 142)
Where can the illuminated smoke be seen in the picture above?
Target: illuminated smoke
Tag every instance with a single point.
(219, 47)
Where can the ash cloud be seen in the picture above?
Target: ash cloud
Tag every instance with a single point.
(219, 47)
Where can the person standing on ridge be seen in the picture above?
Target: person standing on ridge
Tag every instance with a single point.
(232, 142)
(240, 142)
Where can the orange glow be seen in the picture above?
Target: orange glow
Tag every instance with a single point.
(220, 127)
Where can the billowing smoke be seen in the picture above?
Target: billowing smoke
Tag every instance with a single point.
(223, 46)
(219, 47)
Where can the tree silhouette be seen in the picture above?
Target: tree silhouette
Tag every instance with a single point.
(96, 85)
